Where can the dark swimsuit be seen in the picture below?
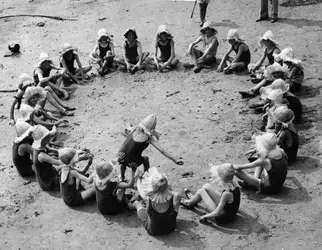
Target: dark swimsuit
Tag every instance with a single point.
(47, 176)
(295, 105)
(165, 51)
(276, 176)
(131, 53)
(45, 73)
(133, 151)
(103, 51)
(71, 196)
(230, 209)
(158, 223)
(22, 163)
(297, 79)
(290, 151)
(245, 56)
(70, 64)
(270, 56)
(107, 202)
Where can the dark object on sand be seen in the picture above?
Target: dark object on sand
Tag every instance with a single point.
(14, 48)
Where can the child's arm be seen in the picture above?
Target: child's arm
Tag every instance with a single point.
(172, 54)
(80, 66)
(165, 153)
(261, 60)
(63, 62)
(139, 46)
(52, 150)
(223, 200)
(37, 120)
(191, 45)
(241, 49)
(258, 163)
(25, 148)
(156, 55)
(85, 169)
(12, 108)
(112, 48)
(292, 73)
(94, 54)
(224, 58)
(212, 45)
(75, 173)
(43, 157)
(124, 55)
(125, 185)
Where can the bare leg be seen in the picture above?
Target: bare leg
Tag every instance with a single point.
(88, 193)
(52, 101)
(258, 172)
(249, 179)
(212, 192)
(85, 70)
(52, 97)
(262, 83)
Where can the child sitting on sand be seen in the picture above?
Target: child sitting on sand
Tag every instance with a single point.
(295, 69)
(37, 96)
(37, 116)
(137, 141)
(133, 57)
(110, 194)
(270, 50)
(68, 56)
(271, 73)
(72, 195)
(103, 52)
(222, 207)
(25, 82)
(21, 150)
(159, 217)
(270, 166)
(45, 167)
(43, 79)
(164, 41)
(242, 59)
(288, 138)
(210, 46)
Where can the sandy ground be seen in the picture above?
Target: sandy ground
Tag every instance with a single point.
(197, 124)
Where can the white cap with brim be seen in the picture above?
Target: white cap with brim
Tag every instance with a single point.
(223, 173)
(32, 91)
(154, 186)
(43, 57)
(287, 55)
(268, 36)
(67, 47)
(23, 130)
(39, 133)
(267, 145)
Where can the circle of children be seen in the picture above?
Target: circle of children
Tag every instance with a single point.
(156, 204)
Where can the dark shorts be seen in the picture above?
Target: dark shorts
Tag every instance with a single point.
(210, 59)
(133, 60)
(225, 218)
(266, 186)
(144, 218)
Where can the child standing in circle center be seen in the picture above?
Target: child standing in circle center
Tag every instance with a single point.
(103, 53)
(137, 141)
(164, 42)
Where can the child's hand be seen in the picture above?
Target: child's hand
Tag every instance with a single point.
(63, 122)
(220, 69)
(133, 166)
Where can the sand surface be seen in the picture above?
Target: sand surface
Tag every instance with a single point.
(198, 124)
